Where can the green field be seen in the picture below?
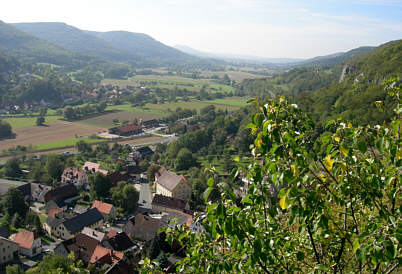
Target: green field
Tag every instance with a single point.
(26, 122)
(241, 102)
(169, 82)
(65, 143)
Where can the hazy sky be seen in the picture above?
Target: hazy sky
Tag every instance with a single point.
(265, 28)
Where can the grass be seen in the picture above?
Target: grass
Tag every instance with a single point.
(231, 102)
(65, 143)
(26, 122)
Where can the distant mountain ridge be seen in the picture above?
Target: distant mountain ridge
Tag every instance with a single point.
(236, 57)
(31, 48)
(116, 46)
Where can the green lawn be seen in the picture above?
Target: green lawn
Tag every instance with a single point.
(17, 123)
(231, 102)
(65, 143)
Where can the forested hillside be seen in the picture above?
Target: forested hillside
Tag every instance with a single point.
(322, 91)
(118, 46)
(33, 49)
(354, 97)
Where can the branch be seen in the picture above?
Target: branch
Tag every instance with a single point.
(317, 256)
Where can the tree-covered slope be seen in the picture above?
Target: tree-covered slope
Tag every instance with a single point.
(353, 98)
(143, 46)
(73, 39)
(31, 48)
(117, 46)
(333, 59)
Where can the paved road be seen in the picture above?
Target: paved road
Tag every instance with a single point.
(145, 195)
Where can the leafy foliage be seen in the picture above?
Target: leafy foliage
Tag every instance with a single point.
(313, 204)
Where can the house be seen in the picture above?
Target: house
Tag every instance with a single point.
(54, 219)
(142, 227)
(74, 176)
(97, 235)
(126, 130)
(107, 210)
(93, 168)
(67, 229)
(167, 204)
(144, 152)
(119, 242)
(102, 255)
(81, 245)
(9, 250)
(61, 193)
(29, 244)
(172, 185)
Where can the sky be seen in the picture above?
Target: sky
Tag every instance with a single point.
(263, 28)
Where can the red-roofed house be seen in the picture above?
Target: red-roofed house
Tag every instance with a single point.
(172, 185)
(127, 130)
(29, 244)
(53, 211)
(103, 255)
(107, 210)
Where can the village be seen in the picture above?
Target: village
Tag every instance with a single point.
(97, 232)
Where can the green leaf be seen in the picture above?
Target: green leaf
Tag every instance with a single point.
(356, 245)
(362, 146)
(210, 182)
(207, 193)
(300, 256)
(321, 267)
(380, 144)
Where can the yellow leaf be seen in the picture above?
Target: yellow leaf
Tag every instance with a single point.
(349, 125)
(337, 139)
(399, 155)
(294, 170)
(283, 202)
(323, 178)
(344, 151)
(343, 166)
(328, 162)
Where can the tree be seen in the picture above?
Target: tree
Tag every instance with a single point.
(83, 147)
(125, 196)
(54, 166)
(100, 185)
(13, 202)
(14, 269)
(152, 169)
(327, 205)
(60, 264)
(5, 129)
(12, 168)
(40, 120)
(184, 159)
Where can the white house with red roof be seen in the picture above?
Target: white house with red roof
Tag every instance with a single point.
(170, 184)
(29, 244)
(107, 210)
